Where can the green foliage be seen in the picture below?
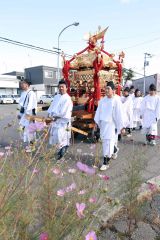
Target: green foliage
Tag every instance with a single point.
(29, 203)
(127, 74)
(130, 187)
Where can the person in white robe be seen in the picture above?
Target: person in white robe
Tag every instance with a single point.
(116, 149)
(127, 103)
(61, 111)
(132, 92)
(28, 105)
(150, 114)
(137, 101)
(109, 118)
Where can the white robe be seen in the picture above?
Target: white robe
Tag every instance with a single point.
(29, 105)
(150, 111)
(61, 107)
(109, 118)
(137, 121)
(132, 95)
(127, 103)
(116, 136)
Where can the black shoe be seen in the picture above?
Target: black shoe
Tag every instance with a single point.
(148, 137)
(106, 160)
(62, 152)
(119, 137)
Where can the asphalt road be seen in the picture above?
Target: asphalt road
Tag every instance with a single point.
(9, 123)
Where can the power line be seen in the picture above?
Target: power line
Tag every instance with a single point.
(149, 41)
(115, 39)
(17, 43)
(10, 41)
(22, 42)
(134, 36)
(142, 43)
(33, 47)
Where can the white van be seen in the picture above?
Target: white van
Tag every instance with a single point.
(15, 98)
(47, 98)
(6, 99)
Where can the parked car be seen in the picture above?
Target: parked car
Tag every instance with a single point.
(46, 99)
(15, 98)
(6, 99)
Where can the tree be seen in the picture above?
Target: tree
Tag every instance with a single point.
(128, 74)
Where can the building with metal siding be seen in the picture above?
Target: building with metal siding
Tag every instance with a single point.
(43, 79)
(155, 79)
(47, 76)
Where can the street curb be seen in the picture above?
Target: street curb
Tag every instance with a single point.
(108, 211)
(148, 188)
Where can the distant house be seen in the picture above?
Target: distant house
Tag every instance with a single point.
(19, 75)
(43, 76)
(155, 79)
(8, 85)
(43, 79)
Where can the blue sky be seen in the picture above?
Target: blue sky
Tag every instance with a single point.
(134, 26)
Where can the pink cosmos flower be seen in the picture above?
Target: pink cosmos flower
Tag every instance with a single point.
(44, 236)
(70, 187)
(91, 236)
(72, 170)
(35, 170)
(40, 125)
(1, 154)
(82, 192)
(152, 187)
(56, 171)
(80, 208)
(61, 192)
(93, 200)
(85, 168)
(32, 128)
(37, 126)
(104, 177)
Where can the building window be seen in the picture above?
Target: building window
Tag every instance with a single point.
(48, 74)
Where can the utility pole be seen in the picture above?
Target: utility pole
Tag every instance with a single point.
(146, 63)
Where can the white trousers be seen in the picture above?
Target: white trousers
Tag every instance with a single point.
(60, 136)
(151, 130)
(108, 147)
(137, 123)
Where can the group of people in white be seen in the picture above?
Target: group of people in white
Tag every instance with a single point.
(115, 116)
(60, 111)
